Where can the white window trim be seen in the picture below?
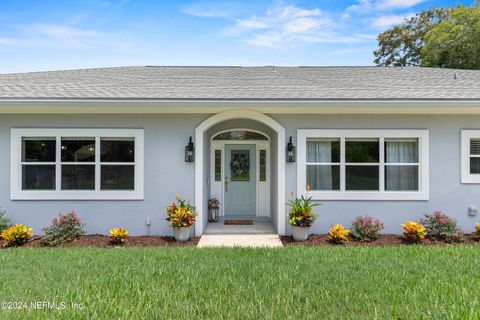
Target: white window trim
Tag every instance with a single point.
(16, 192)
(467, 177)
(423, 183)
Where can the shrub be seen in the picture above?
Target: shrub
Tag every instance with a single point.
(64, 228)
(16, 235)
(413, 232)
(4, 222)
(301, 212)
(366, 229)
(118, 235)
(181, 214)
(440, 226)
(476, 232)
(337, 234)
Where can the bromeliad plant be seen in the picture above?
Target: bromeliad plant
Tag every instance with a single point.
(64, 228)
(118, 235)
(181, 214)
(440, 226)
(366, 229)
(337, 234)
(16, 235)
(301, 212)
(413, 232)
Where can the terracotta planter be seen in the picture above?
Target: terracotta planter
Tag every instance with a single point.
(182, 234)
(300, 233)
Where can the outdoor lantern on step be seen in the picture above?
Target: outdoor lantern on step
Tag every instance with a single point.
(213, 206)
(290, 151)
(189, 151)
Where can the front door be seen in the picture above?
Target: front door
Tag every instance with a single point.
(240, 180)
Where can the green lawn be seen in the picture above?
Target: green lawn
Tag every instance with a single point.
(290, 283)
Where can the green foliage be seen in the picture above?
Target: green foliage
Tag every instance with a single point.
(181, 214)
(401, 45)
(366, 229)
(16, 235)
(439, 226)
(438, 37)
(454, 42)
(4, 222)
(63, 229)
(301, 212)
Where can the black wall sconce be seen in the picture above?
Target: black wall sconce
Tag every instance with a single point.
(290, 151)
(189, 151)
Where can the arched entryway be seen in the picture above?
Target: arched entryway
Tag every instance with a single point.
(202, 161)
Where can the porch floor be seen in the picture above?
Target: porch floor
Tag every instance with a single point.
(260, 234)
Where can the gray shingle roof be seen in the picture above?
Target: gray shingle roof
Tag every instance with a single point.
(245, 83)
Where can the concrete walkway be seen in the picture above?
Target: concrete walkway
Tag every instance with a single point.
(260, 234)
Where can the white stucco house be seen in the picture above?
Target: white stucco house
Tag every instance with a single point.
(393, 143)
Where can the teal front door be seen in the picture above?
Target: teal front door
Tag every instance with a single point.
(240, 180)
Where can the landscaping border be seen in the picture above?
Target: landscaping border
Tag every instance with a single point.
(103, 241)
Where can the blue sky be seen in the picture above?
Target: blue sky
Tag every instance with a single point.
(52, 35)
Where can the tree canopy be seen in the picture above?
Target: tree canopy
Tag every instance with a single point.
(438, 37)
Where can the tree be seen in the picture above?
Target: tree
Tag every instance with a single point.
(441, 37)
(454, 42)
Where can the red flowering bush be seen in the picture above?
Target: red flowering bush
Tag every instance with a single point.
(366, 229)
(440, 226)
(64, 228)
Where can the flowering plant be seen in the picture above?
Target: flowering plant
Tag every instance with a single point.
(64, 228)
(301, 212)
(118, 235)
(440, 226)
(366, 228)
(16, 235)
(337, 234)
(181, 214)
(213, 203)
(476, 232)
(413, 231)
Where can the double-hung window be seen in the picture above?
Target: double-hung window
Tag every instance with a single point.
(75, 164)
(470, 156)
(363, 164)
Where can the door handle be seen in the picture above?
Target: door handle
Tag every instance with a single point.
(226, 184)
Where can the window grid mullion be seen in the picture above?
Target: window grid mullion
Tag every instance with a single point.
(381, 175)
(97, 164)
(342, 165)
(58, 164)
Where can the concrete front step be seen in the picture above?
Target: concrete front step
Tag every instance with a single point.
(240, 240)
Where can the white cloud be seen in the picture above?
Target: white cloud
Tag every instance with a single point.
(38, 35)
(396, 4)
(7, 42)
(362, 6)
(63, 31)
(371, 6)
(286, 26)
(389, 20)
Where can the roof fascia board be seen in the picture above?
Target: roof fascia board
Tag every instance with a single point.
(285, 107)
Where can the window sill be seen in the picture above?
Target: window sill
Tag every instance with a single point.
(77, 195)
(369, 195)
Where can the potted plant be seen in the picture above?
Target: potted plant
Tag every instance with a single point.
(181, 216)
(213, 205)
(301, 216)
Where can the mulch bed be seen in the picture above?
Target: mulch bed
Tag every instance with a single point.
(100, 241)
(384, 241)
